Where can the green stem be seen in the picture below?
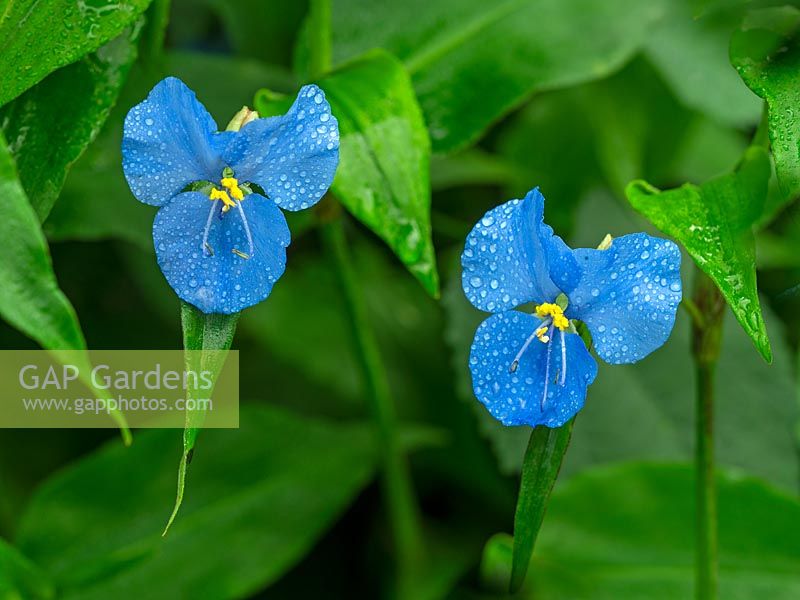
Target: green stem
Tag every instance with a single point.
(397, 485)
(151, 47)
(706, 340)
(398, 488)
(540, 468)
(320, 51)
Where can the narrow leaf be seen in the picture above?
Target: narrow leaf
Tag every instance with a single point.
(50, 125)
(38, 37)
(714, 224)
(767, 55)
(383, 176)
(543, 458)
(30, 298)
(201, 331)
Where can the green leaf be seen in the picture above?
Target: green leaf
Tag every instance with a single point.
(261, 497)
(691, 54)
(714, 223)
(767, 55)
(757, 407)
(20, 578)
(473, 61)
(383, 174)
(625, 532)
(36, 38)
(540, 468)
(201, 331)
(30, 298)
(50, 125)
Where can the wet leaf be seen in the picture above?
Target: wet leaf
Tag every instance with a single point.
(383, 176)
(49, 126)
(201, 332)
(766, 52)
(30, 298)
(38, 37)
(473, 61)
(714, 223)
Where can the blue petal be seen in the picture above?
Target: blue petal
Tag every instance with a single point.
(516, 398)
(627, 295)
(505, 258)
(223, 282)
(168, 142)
(294, 157)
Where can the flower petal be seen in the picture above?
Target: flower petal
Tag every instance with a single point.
(627, 295)
(294, 157)
(169, 142)
(515, 398)
(505, 258)
(224, 282)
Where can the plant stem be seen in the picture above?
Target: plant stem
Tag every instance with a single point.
(706, 338)
(319, 38)
(151, 47)
(543, 458)
(398, 488)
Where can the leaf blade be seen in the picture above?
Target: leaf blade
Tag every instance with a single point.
(384, 157)
(51, 124)
(714, 223)
(265, 493)
(767, 56)
(450, 47)
(201, 332)
(35, 44)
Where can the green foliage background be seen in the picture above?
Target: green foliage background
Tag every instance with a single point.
(685, 112)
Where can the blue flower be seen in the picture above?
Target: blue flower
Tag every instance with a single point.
(531, 368)
(220, 236)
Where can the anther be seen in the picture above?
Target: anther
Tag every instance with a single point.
(240, 254)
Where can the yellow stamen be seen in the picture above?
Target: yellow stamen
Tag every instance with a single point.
(222, 195)
(552, 310)
(233, 186)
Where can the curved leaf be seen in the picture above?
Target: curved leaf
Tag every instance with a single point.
(30, 298)
(50, 125)
(767, 55)
(39, 36)
(714, 223)
(473, 61)
(261, 497)
(384, 158)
